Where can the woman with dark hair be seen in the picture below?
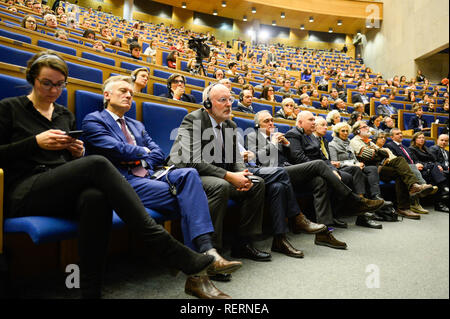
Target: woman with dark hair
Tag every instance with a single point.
(172, 59)
(29, 22)
(411, 96)
(116, 42)
(239, 79)
(354, 117)
(431, 171)
(268, 93)
(306, 75)
(374, 123)
(89, 34)
(47, 175)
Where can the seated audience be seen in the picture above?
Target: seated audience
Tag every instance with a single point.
(362, 97)
(61, 34)
(287, 110)
(245, 102)
(140, 79)
(268, 94)
(29, 22)
(417, 123)
(177, 88)
(89, 34)
(172, 59)
(385, 109)
(135, 50)
(440, 154)
(333, 118)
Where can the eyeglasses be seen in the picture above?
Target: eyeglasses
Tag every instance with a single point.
(363, 127)
(48, 85)
(224, 100)
(30, 22)
(178, 81)
(344, 131)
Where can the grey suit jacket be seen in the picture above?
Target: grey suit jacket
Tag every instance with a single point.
(196, 146)
(267, 154)
(342, 152)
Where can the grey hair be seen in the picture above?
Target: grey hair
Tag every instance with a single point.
(336, 128)
(113, 79)
(257, 115)
(331, 115)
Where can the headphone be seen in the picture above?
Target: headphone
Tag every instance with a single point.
(135, 73)
(207, 104)
(29, 77)
(241, 96)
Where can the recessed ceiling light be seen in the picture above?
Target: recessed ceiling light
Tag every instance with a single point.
(245, 18)
(215, 12)
(330, 30)
(224, 4)
(283, 15)
(302, 27)
(253, 10)
(339, 22)
(274, 22)
(311, 19)
(183, 5)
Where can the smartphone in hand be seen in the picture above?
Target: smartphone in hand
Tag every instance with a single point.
(75, 134)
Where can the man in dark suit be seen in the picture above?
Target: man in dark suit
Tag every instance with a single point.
(207, 142)
(128, 146)
(245, 102)
(176, 89)
(305, 147)
(440, 154)
(385, 109)
(361, 97)
(417, 123)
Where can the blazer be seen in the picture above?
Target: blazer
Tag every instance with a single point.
(194, 146)
(304, 148)
(396, 150)
(414, 123)
(436, 151)
(185, 97)
(357, 98)
(102, 135)
(241, 108)
(342, 152)
(267, 154)
(386, 110)
(422, 156)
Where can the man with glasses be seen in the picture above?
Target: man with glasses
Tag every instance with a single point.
(406, 183)
(206, 141)
(50, 21)
(37, 7)
(126, 143)
(177, 90)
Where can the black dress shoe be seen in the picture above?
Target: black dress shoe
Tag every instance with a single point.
(377, 217)
(365, 221)
(339, 223)
(221, 277)
(441, 207)
(250, 252)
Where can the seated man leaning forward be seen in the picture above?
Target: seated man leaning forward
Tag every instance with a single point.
(126, 143)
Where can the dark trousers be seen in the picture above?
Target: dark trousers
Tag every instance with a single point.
(398, 169)
(365, 181)
(317, 177)
(88, 189)
(219, 191)
(279, 195)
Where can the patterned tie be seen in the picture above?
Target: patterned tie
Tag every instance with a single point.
(406, 153)
(323, 148)
(139, 171)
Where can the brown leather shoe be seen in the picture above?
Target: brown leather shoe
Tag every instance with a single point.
(408, 214)
(420, 190)
(327, 239)
(368, 205)
(203, 288)
(221, 265)
(416, 207)
(280, 244)
(301, 224)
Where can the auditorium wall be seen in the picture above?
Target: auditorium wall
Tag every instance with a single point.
(411, 32)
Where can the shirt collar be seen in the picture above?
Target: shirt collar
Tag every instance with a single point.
(114, 116)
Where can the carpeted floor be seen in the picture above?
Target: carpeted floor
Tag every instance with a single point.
(406, 259)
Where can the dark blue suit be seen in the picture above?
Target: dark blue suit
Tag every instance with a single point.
(103, 136)
(414, 123)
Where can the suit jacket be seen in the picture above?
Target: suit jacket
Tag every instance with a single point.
(414, 123)
(396, 150)
(102, 135)
(305, 148)
(267, 154)
(422, 156)
(357, 98)
(185, 97)
(342, 152)
(386, 110)
(195, 146)
(241, 108)
(436, 151)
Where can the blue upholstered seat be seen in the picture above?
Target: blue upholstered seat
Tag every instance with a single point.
(98, 58)
(161, 122)
(56, 47)
(14, 56)
(85, 73)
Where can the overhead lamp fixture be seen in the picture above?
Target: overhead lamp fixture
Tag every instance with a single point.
(311, 19)
(302, 27)
(274, 22)
(330, 30)
(215, 12)
(253, 10)
(283, 15)
(245, 18)
(339, 22)
(183, 5)
(224, 4)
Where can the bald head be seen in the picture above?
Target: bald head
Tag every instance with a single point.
(306, 121)
(442, 140)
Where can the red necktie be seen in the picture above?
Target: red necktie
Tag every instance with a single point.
(139, 171)
(406, 153)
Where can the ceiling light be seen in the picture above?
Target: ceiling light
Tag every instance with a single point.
(302, 27)
(311, 19)
(253, 10)
(274, 22)
(283, 15)
(339, 22)
(330, 30)
(245, 18)
(224, 4)
(215, 12)
(183, 5)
